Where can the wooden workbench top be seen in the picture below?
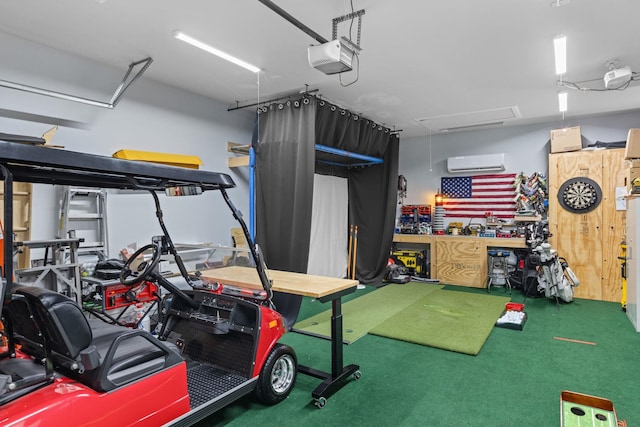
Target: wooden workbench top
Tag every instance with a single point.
(513, 242)
(283, 281)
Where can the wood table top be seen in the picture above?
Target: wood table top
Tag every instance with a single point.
(282, 281)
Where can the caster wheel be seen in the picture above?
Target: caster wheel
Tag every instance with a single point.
(357, 375)
(320, 402)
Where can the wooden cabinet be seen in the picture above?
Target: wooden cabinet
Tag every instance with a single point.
(459, 260)
(590, 241)
(21, 217)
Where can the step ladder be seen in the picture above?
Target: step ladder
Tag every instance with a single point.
(83, 215)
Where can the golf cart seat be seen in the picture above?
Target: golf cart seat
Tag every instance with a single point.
(101, 356)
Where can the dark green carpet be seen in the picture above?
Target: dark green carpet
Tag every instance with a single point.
(516, 379)
(361, 314)
(456, 321)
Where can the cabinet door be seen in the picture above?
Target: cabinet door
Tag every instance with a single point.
(613, 224)
(589, 241)
(459, 261)
(577, 236)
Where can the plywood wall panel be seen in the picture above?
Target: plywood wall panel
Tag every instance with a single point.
(577, 237)
(21, 217)
(589, 241)
(461, 262)
(614, 223)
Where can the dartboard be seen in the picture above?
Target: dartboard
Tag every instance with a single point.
(580, 195)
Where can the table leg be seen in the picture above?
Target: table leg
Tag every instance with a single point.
(339, 374)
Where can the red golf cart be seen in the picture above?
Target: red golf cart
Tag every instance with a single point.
(61, 366)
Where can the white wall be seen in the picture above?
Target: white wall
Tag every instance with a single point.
(150, 117)
(526, 149)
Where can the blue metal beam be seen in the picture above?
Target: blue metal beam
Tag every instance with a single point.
(344, 153)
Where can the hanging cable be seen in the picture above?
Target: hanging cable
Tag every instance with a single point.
(430, 158)
(577, 85)
(355, 55)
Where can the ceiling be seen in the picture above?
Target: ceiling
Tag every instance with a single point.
(424, 65)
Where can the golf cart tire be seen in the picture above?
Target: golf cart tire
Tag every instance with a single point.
(278, 375)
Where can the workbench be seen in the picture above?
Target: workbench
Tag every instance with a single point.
(321, 288)
(459, 260)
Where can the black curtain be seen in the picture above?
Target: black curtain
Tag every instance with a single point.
(285, 157)
(372, 189)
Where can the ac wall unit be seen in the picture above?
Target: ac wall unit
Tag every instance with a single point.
(479, 163)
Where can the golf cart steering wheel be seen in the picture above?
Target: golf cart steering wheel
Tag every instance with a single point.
(144, 269)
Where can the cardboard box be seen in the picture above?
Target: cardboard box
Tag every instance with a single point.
(632, 163)
(566, 139)
(632, 149)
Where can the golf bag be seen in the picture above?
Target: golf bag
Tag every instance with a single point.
(555, 277)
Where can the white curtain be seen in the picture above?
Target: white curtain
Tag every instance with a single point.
(329, 229)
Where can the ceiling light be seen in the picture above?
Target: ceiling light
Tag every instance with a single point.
(207, 48)
(560, 50)
(562, 101)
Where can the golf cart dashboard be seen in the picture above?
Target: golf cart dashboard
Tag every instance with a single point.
(219, 314)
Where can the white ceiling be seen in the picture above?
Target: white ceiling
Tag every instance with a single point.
(421, 59)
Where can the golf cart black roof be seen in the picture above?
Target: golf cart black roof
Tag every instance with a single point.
(40, 164)
(44, 165)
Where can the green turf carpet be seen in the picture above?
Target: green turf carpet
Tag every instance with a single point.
(451, 320)
(361, 314)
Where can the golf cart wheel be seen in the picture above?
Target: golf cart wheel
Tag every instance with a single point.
(320, 402)
(278, 375)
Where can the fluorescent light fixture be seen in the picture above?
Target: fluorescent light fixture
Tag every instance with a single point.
(562, 101)
(207, 48)
(560, 50)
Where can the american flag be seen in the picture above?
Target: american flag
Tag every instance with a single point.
(474, 196)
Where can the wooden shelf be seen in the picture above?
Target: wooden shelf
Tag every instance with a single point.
(527, 218)
(234, 147)
(241, 161)
(235, 162)
(17, 193)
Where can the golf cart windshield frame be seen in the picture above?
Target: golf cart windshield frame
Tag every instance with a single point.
(43, 165)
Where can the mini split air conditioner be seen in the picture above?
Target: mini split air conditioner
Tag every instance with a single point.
(480, 163)
(332, 57)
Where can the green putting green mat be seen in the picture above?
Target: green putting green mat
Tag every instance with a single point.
(451, 320)
(363, 313)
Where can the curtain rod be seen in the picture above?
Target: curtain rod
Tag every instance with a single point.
(393, 131)
(240, 107)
